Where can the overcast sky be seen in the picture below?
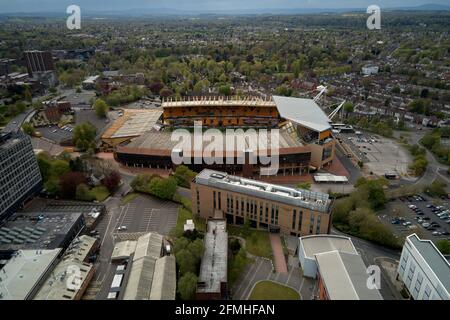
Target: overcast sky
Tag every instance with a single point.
(199, 5)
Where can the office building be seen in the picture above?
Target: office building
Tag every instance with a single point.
(20, 177)
(39, 61)
(267, 206)
(424, 271)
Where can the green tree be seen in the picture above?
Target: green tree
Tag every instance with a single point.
(186, 261)
(444, 246)
(436, 189)
(60, 167)
(196, 248)
(348, 108)
(163, 188)
(187, 286)
(84, 136)
(52, 186)
(101, 108)
(304, 185)
(184, 176)
(28, 128)
(225, 90)
(83, 193)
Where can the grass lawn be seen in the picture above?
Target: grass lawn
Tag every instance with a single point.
(268, 290)
(183, 215)
(257, 241)
(100, 193)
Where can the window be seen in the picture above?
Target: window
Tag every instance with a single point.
(214, 196)
(427, 293)
(220, 205)
(300, 220)
(294, 216)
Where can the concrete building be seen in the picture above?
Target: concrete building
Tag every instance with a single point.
(24, 273)
(309, 246)
(71, 276)
(271, 207)
(39, 61)
(55, 109)
(39, 230)
(343, 276)
(20, 177)
(212, 281)
(90, 82)
(369, 69)
(340, 270)
(424, 271)
(41, 67)
(151, 276)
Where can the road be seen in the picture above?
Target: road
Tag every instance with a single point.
(434, 168)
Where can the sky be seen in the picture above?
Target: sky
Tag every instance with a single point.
(27, 6)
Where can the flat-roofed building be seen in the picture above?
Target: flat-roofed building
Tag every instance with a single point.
(164, 283)
(25, 272)
(344, 276)
(309, 246)
(424, 271)
(212, 281)
(72, 275)
(292, 211)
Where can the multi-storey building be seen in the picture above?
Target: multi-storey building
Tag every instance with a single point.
(292, 211)
(39, 61)
(20, 177)
(424, 271)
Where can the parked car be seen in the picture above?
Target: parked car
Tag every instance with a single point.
(436, 233)
(425, 224)
(122, 228)
(407, 223)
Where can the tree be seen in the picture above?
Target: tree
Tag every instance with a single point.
(52, 186)
(69, 183)
(28, 128)
(187, 286)
(60, 167)
(348, 108)
(184, 176)
(163, 188)
(84, 136)
(444, 246)
(186, 261)
(225, 90)
(304, 185)
(45, 165)
(112, 181)
(83, 193)
(196, 249)
(101, 108)
(436, 189)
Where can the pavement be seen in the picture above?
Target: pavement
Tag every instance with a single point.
(278, 255)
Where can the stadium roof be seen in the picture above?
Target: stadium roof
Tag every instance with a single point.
(133, 123)
(344, 276)
(305, 112)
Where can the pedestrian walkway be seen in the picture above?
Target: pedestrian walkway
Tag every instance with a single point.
(278, 255)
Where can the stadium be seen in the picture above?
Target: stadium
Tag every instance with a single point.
(145, 139)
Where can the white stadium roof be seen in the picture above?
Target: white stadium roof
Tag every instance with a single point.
(305, 112)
